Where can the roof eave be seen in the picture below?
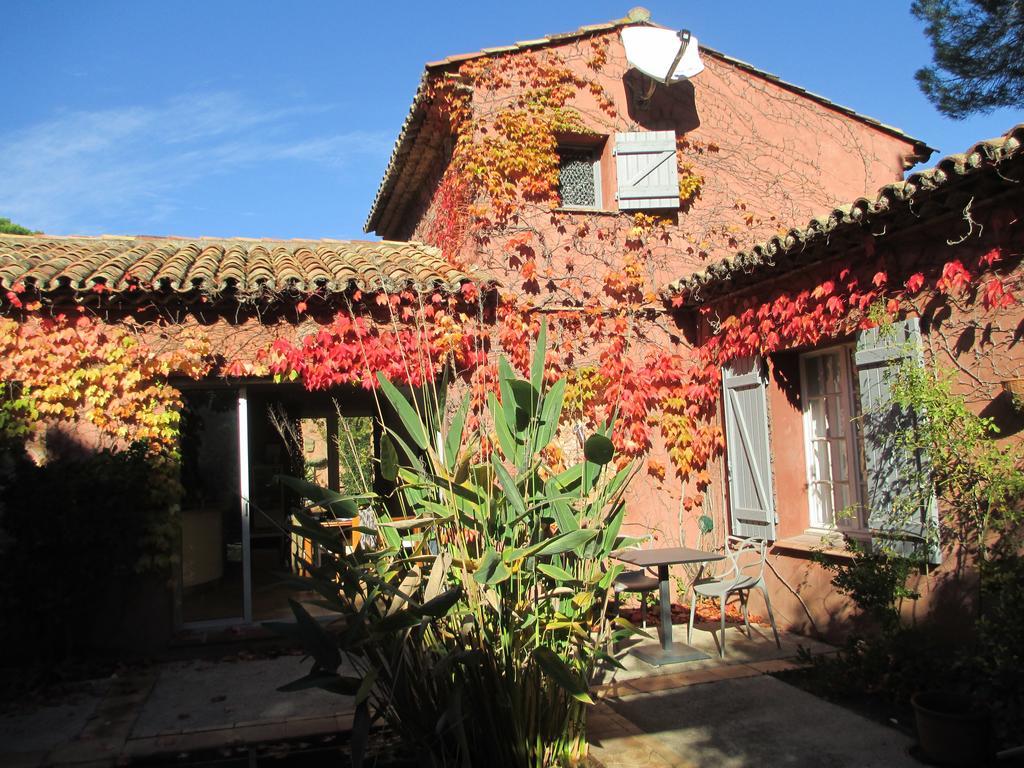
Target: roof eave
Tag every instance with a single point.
(717, 280)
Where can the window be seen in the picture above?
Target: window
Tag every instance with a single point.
(579, 178)
(831, 441)
(857, 471)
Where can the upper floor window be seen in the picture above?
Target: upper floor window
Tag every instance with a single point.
(579, 177)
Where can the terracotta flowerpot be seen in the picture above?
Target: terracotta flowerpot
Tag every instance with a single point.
(951, 730)
(1015, 388)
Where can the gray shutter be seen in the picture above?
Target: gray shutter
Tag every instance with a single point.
(900, 499)
(751, 502)
(645, 162)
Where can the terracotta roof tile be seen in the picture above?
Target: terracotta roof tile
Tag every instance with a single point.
(761, 261)
(242, 267)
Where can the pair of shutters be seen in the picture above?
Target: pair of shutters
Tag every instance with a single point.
(902, 508)
(645, 165)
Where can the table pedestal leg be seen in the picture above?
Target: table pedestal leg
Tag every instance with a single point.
(667, 652)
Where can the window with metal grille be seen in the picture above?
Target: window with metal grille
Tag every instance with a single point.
(578, 178)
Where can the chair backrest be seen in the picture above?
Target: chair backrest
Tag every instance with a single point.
(746, 557)
(368, 519)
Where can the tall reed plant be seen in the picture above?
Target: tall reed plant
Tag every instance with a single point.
(476, 626)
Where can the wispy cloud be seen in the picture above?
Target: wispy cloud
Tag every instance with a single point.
(69, 173)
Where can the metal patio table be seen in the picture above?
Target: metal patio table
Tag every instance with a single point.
(667, 652)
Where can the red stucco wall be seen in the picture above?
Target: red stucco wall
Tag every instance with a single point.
(770, 158)
(979, 349)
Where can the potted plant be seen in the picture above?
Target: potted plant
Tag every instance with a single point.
(952, 729)
(979, 484)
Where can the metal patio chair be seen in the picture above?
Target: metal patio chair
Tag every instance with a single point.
(744, 571)
(642, 580)
(639, 580)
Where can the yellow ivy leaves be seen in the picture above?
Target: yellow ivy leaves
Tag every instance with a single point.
(77, 368)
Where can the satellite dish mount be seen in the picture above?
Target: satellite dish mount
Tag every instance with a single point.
(661, 56)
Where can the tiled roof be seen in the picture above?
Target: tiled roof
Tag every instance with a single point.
(203, 266)
(637, 16)
(801, 246)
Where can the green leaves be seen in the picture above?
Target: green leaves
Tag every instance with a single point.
(492, 569)
(506, 555)
(327, 681)
(440, 605)
(316, 640)
(559, 671)
(560, 575)
(571, 541)
(537, 366)
(410, 419)
(453, 440)
(388, 459)
(334, 502)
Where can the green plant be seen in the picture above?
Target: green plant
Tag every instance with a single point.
(73, 533)
(978, 481)
(475, 630)
(979, 484)
(997, 661)
(876, 581)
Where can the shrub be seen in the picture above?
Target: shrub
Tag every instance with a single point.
(70, 530)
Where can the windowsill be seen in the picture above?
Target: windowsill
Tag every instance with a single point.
(592, 211)
(828, 543)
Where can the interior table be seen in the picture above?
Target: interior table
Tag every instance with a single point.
(666, 652)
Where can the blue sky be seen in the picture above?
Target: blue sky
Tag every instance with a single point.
(271, 119)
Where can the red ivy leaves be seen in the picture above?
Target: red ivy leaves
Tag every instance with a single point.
(955, 278)
(996, 296)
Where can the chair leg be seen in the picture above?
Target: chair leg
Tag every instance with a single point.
(745, 601)
(721, 650)
(643, 609)
(771, 616)
(689, 628)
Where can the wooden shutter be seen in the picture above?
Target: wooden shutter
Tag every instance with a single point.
(751, 502)
(900, 500)
(645, 162)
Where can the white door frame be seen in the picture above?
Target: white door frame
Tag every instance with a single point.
(243, 496)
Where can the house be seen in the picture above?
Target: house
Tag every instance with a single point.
(808, 409)
(555, 165)
(605, 204)
(112, 340)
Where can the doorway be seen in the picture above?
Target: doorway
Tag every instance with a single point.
(241, 562)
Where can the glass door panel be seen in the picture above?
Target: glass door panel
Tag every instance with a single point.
(830, 439)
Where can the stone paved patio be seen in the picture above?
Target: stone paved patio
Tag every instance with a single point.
(709, 712)
(740, 722)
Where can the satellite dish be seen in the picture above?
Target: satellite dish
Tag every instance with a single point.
(663, 55)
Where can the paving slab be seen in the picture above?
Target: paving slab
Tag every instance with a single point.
(40, 728)
(742, 723)
(191, 696)
(759, 649)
